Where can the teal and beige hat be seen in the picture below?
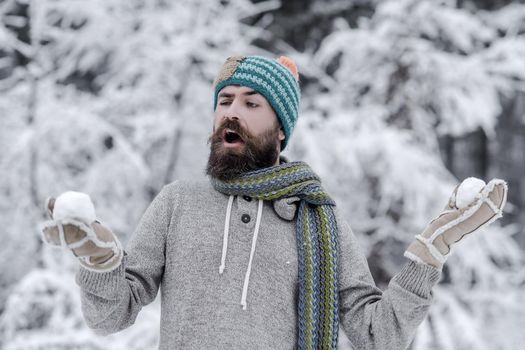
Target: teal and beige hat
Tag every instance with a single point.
(277, 80)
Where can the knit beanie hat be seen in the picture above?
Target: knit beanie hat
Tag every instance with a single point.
(276, 80)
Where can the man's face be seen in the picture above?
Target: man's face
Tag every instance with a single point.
(246, 133)
(252, 110)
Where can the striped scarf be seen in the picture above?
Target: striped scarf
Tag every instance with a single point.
(316, 231)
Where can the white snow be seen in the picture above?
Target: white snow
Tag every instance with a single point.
(468, 191)
(72, 204)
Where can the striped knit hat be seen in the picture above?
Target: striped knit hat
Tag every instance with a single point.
(277, 80)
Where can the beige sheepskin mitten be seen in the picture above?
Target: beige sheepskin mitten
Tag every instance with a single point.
(472, 206)
(73, 226)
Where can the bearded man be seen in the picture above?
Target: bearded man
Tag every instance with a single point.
(258, 256)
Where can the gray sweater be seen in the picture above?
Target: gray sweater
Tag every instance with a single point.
(178, 246)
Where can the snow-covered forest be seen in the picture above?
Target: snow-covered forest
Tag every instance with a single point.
(401, 100)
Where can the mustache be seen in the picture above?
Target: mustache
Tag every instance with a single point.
(233, 125)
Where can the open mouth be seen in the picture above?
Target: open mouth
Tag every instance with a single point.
(231, 137)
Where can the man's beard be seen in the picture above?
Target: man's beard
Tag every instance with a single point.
(257, 152)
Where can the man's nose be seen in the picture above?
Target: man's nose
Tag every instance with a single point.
(231, 117)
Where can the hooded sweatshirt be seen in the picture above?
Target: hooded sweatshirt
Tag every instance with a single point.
(227, 270)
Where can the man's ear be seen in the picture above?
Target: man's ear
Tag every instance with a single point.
(281, 134)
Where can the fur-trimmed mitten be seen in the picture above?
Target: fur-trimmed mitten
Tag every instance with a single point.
(472, 206)
(95, 245)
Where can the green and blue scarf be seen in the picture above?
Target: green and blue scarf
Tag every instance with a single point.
(316, 230)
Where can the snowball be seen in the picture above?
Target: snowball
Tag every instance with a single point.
(468, 190)
(76, 205)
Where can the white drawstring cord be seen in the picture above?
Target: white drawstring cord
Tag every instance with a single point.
(249, 269)
(226, 231)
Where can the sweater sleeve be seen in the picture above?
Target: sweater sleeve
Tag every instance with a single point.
(112, 300)
(371, 318)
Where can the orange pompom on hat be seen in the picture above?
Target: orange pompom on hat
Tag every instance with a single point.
(290, 64)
